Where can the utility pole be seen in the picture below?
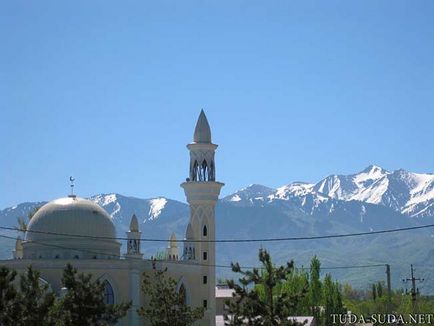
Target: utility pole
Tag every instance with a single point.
(414, 289)
(389, 289)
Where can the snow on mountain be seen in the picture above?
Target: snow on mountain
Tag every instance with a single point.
(253, 194)
(112, 203)
(156, 206)
(413, 193)
(104, 200)
(354, 186)
(295, 189)
(409, 193)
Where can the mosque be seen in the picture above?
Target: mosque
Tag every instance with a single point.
(78, 231)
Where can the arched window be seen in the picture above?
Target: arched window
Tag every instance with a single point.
(205, 231)
(204, 171)
(182, 294)
(109, 296)
(194, 172)
(212, 172)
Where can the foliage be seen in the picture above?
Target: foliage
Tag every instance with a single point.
(332, 300)
(259, 298)
(36, 300)
(83, 302)
(401, 302)
(309, 294)
(315, 294)
(167, 306)
(297, 282)
(9, 302)
(29, 302)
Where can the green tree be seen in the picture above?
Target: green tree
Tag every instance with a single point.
(259, 298)
(35, 300)
(379, 289)
(167, 306)
(9, 304)
(83, 303)
(315, 287)
(374, 292)
(297, 282)
(332, 300)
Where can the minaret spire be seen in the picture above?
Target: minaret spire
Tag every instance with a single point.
(202, 132)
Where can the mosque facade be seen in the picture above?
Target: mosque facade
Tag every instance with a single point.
(78, 231)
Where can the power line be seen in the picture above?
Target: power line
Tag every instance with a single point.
(180, 261)
(331, 236)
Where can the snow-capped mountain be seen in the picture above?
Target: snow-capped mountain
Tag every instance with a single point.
(147, 209)
(411, 194)
(250, 195)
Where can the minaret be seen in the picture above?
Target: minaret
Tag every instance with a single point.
(172, 252)
(202, 193)
(133, 235)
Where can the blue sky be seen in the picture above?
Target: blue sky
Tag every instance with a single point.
(294, 90)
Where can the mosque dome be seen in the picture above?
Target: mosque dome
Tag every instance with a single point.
(71, 227)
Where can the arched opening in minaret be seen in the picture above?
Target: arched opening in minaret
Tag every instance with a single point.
(109, 296)
(205, 231)
(204, 171)
(194, 172)
(211, 176)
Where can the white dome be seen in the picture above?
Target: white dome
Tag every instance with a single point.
(71, 227)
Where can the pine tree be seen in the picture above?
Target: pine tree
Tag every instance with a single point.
(167, 306)
(9, 298)
(35, 300)
(83, 304)
(259, 299)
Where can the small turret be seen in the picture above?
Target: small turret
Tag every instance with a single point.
(172, 251)
(18, 252)
(134, 234)
(189, 248)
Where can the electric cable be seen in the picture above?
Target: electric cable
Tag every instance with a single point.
(319, 237)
